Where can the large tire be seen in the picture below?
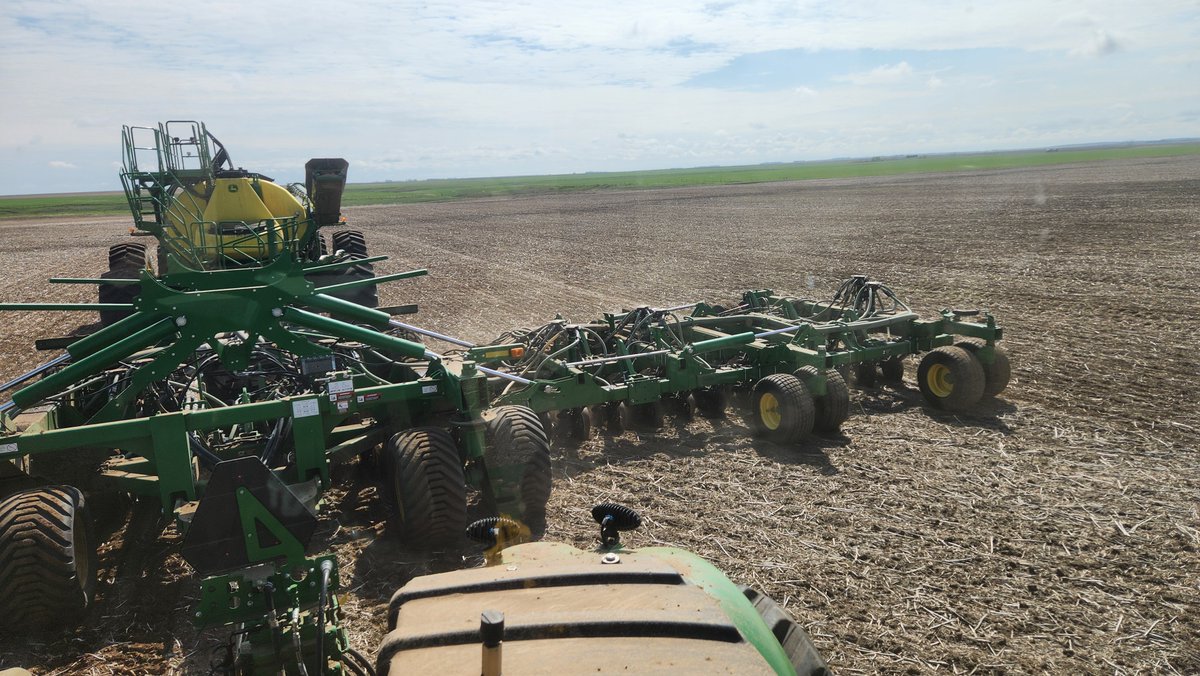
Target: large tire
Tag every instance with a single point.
(795, 641)
(951, 378)
(428, 489)
(47, 558)
(996, 374)
(518, 450)
(125, 261)
(782, 409)
(865, 374)
(831, 409)
(355, 244)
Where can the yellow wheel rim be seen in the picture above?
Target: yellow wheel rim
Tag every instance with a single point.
(768, 411)
(940, 380)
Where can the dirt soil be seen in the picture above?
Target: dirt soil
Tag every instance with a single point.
(1055, 529)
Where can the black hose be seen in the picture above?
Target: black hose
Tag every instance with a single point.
(322, 601)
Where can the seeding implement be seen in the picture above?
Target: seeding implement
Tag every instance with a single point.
(231, 372)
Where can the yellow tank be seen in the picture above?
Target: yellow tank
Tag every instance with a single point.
(243, 219)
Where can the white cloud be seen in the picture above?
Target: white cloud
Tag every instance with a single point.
(883, 75)
(59, 164)
(1100, 43)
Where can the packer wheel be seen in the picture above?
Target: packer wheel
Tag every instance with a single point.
(951, 378)
(892, 369)
(426, 481)
(518, 451)
(47, 558)
(711, 402)
(865, 374)
(782, 409)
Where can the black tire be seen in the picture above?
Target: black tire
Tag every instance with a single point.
(427, 487)
(582, 423)
(996, 374)
(47, 558)
(951, 378)
(892, 369)
(831, 409)
(646, 417)
(711, 402)
(781, 409)
(865, 374)
(354, 243)
(795, 641)
(517, 449)
(125, 261)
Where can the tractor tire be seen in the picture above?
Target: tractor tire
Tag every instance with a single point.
(892, 369)
(125, 261)
(951, 378)
(831, 409)
(355, 244)
(711, 402)
(782, 409)
(996, 374)
(427, 487)
(47, 558)
(795, 641)
(515, 439)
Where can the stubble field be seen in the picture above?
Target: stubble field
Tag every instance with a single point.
(1055, 529)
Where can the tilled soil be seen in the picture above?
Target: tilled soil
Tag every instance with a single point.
(1054, 529)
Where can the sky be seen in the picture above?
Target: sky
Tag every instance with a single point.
(408, 90)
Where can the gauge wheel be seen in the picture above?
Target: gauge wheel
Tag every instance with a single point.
(951, 378)
(782, 409)
(996, 374)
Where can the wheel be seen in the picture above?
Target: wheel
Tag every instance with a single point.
(795, 641)
(125, 261)
(951, 378)
(865, 373)
(518, 450)
(831, 409)
(647, 416)
(996, 374)
(355, 244)
(427, 486)
(892, 369)
(781, 408)
(47, 558)
(711, 402)
(582, 421)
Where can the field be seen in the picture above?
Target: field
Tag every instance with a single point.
(1056, 529)
(440, 190)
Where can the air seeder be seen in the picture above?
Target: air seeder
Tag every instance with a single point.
(229, 374)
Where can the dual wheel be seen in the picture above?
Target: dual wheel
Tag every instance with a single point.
(784, 410)
(956, 377)
(426, 482)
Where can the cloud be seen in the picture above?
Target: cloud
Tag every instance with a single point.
(1100, 43)
(883, 75)
(59, 164)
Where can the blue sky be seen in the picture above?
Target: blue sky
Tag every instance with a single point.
(433, 89)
